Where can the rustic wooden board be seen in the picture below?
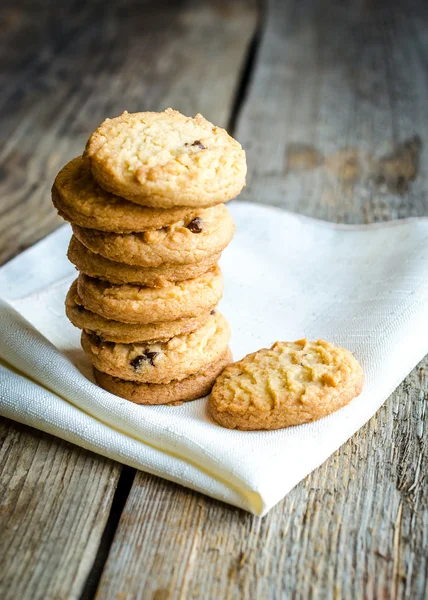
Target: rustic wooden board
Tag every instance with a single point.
(337, 94)
(54, 505)
(335, 109)
(74, 67)
(66, 66)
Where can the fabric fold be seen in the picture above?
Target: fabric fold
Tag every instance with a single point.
(65, 387)
(286, 277)
(62, 419)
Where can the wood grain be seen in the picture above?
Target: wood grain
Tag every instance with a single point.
(355, 528)
(347, 87)
(54, 504)
(76, 65)
(65, 67)
(337, 94)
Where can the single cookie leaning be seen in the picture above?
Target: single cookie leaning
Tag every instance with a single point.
(115, 331)
(97, 266)
(179, 357)
(181, 243)
(288, 384)
(176, 392)
(79, 199)
(166, 159)
(134, 304)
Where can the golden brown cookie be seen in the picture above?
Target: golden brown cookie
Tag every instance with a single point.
(166, 159)
(97, 266)
(115, 331)
(288, 384)
(79, 199)
(134, 304)
(173, 393)
(162, 362)
(181, 243)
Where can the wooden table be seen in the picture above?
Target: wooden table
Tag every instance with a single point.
(326, 97)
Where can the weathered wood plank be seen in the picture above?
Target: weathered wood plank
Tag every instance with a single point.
(65, 67)
(54, 504)
(329, 77)
(355, 528)
(96, 60)
(346, 86)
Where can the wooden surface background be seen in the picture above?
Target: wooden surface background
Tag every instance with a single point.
(329, 99)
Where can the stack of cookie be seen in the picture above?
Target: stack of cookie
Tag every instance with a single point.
(146, 203)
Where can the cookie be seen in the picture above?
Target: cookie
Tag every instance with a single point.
(181, 243)
(288, 384)
(97, 266)
(162, 362)
(79, 199)
(166, 159)
(134, 304)
(173, 393)
(115, 331)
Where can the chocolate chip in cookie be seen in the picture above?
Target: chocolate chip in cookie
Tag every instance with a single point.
(198, 144)
(161, 362)
(170, 245)
(176, 392)
(196, 226)
(165, 160)
(141, 358)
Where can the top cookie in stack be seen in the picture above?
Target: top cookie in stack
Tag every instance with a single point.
(165, 159)
(146, 205)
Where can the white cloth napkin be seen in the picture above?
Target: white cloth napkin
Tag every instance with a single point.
(286, 277)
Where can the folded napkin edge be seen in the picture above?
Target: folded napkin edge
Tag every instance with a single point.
(253, 498)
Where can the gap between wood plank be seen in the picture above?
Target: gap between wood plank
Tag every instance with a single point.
(244, 77)
(121, 494)
(128, 473)
(333, 534)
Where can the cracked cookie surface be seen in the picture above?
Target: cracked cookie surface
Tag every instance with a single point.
(166, 159)
(79, 199)
(161, 362)
(135, 304)
(97, 266)
(176, 392)
(289, 384)
(180, 243)
(115, 331)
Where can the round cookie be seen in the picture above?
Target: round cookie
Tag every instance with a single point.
(181, 243)
(166, 159)
(162, 362)
(115, 331)
(97, 266)
(133, 304)
(79, 199)
(173, 393)
(288, 384)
